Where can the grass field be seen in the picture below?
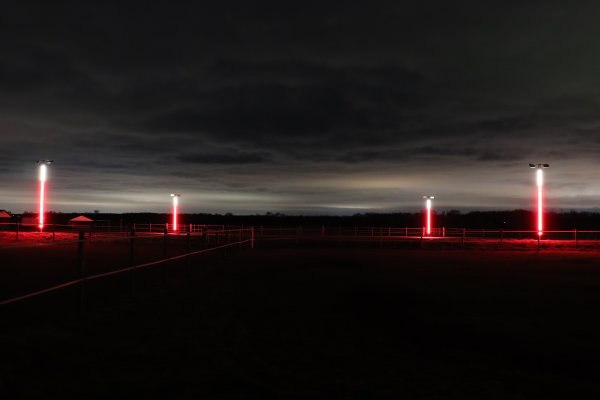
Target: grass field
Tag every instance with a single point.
(289, 322)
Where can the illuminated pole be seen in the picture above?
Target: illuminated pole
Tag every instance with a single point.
(428, 213)
(43, 175)
(539, 177)
(175, 197)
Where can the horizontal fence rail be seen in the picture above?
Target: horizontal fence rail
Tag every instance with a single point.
(462, 237)
(267, 231)
(18, 227)
(12, 234)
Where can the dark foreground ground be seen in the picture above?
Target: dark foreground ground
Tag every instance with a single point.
(326, 323)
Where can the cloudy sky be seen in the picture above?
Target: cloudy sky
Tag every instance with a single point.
(300, 107)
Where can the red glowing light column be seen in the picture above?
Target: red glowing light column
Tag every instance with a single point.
(539, 177)
(175, 197)
(43, 173)
(540, 201)
(428, 214)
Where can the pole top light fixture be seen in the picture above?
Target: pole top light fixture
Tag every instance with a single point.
(429, 197)
(46, 162)
(539, 165)
(175, 194)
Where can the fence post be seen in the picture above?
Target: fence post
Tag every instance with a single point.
(252, 238)
(443, 231)
(164, 264)
(462, 243)
(422, 232)
(53, 232)
(166, 232)
(188, 248)
(131, 260)
(539, 237)
(80, 263)
(575, 236)
(131, 247)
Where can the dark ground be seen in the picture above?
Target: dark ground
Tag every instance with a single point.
(326, 323)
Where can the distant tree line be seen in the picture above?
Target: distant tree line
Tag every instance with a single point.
(514, 219)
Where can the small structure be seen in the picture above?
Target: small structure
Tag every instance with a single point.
(4, 220)
(4, 216)
(81, 222)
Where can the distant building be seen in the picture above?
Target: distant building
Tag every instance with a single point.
(81, 221)
(4, 218)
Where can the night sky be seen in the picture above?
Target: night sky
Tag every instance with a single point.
(300, 107)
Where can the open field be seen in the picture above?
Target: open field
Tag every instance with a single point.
(302, 321)
(37, 264)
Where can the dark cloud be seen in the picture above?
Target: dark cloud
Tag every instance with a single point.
(34, 68)
(326, 102)
(500, 156)
(265, 103)
(443, 154)
(223, 158)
